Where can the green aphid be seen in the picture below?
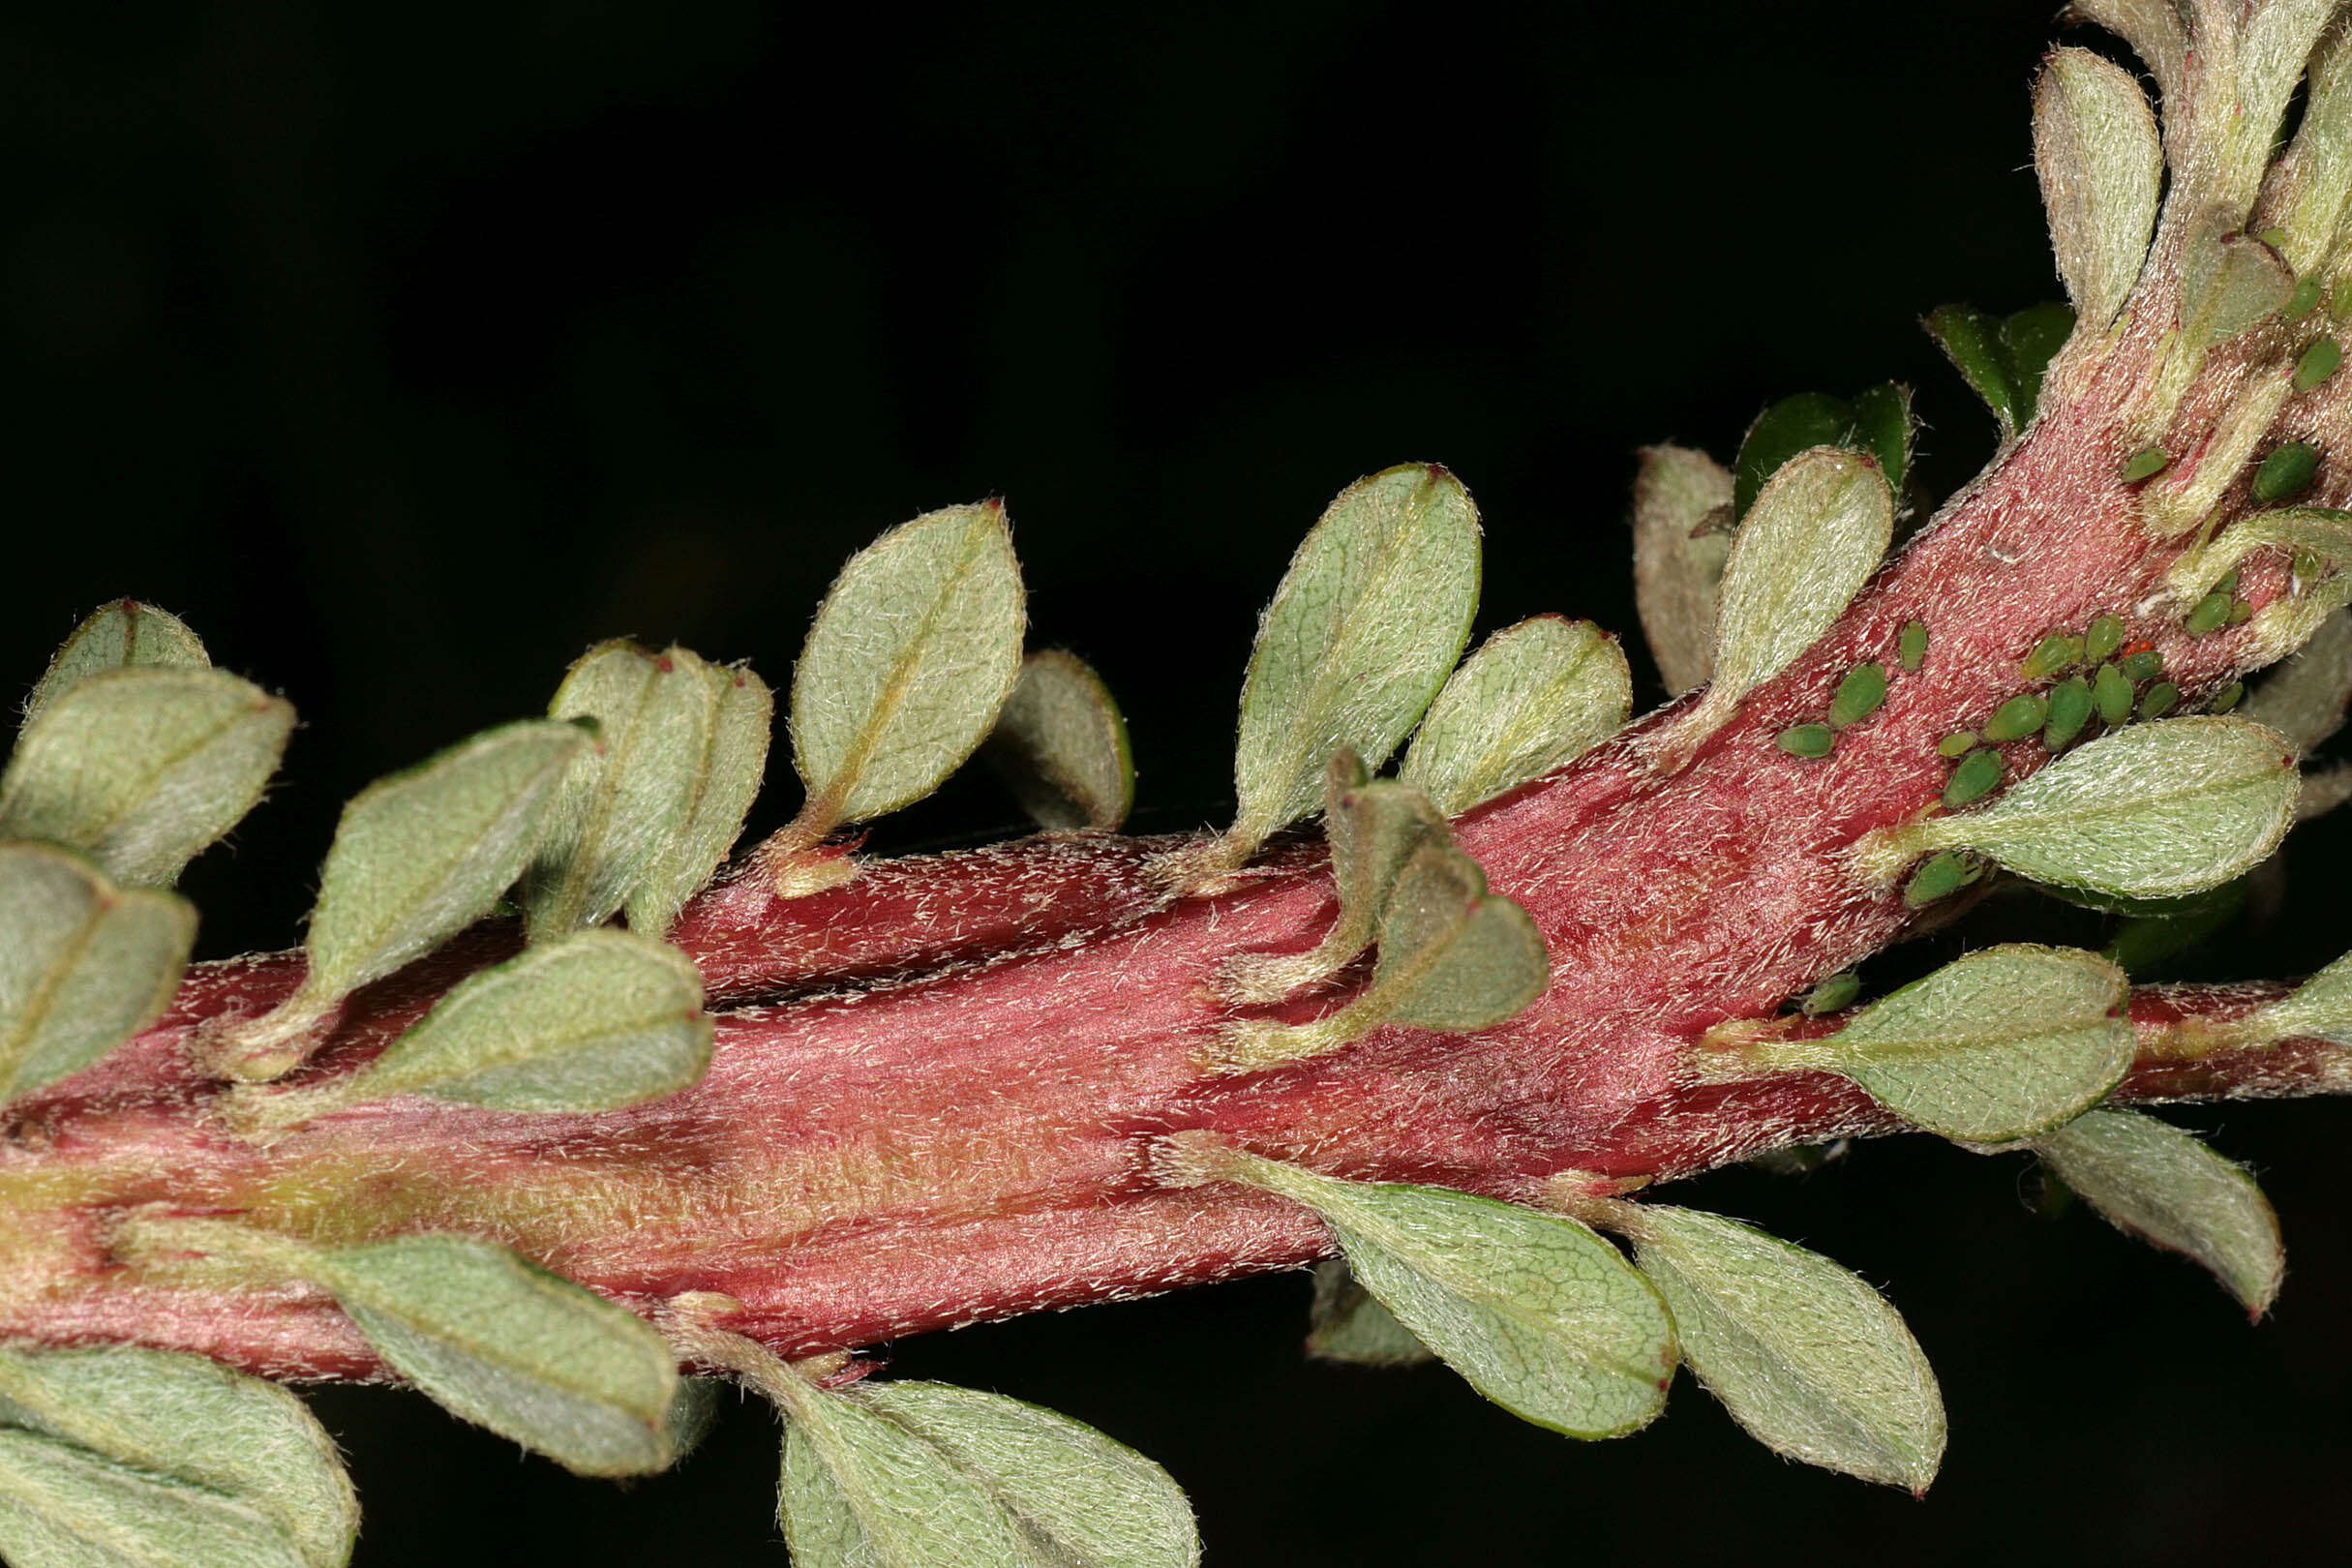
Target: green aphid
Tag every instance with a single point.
(2069, 710)
(1911, 646)
(2111, 695)
(1942, 875)
(1958, 743)
(2229, 696)
(2317, 364)
(2273, 237)
(2240, 611)
(2210, 614)
(1858, 695)
(2016, 718)
(2307, 564)
(1808, 740)
(2159, 700)
(2105, 636)
(1832, 994)
(1977, 776)
(2052, 654)
(2145, 463)
(2145, 665)
(2287, 472)
(2299, 304)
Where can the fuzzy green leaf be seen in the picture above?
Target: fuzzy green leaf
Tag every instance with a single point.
(1454, 956)
(1792, 424)
(1876, 422)
(2320, 1006)
(2309, 188)
(190, 1420)
(417, 857)
(63, 1507)
(2146, 812)
(913, 652)
(1813, 536)
(2156, 930)
(509, 1345)
(1682, 530)
(1061, 746)
(2002, 358)
(84, 967)
(2101, 164)
(1348, 1323)
(860, 1491)
(1998, 1046)
(628, 799)
(734, 756)
(1971, 339)
(2032, 337)
(2274, 44)
(2229, 282)
(2155, 30)
(1805, 1355)
(1536, 1311)
(1534, 697)
(2305, 697)
(143, 767)
(590, 1022)
(1080, 1499)
(123, 633)
(2154, 1180)
(1369, 618)
(1375, 826)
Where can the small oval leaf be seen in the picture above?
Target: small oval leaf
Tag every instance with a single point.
(1375, 826)
(61, 1506)
(2101, 164)
(1535, 1310)
(2153, 1180)
(2321, 1006)
(591, 1022)
(2305, 697)
(417, 857)
(144, 767)
(1454, 956)
(1060, 746)
(626, 797)
(734, 757)
(1805, 1355)
(84, 967)
(913, 652)
(191, 1420)
(1086, 1500)
(502, 1342)
(1971, 339)
(123, 633)
(1373, 612)
(860, 1490)
(2146, 812)
(1348, 1323)
(1813, 536)
(1992, 1047)
(1682, 530)
(2308, 188)
(1533, 698)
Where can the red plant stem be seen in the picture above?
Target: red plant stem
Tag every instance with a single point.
(938, 1086)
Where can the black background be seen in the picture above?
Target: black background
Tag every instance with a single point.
(405, 351)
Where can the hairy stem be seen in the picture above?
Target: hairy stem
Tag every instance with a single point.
(938, 1086)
